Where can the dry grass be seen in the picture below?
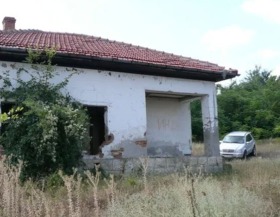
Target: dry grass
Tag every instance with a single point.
(246, 188)
(183, 196)
(265, 148)
(197, 149)
(260, 176)
(269, 148)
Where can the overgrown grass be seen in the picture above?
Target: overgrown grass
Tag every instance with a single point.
(269, 148)
(245, 188)
(197, 149)
(259, 175)
(265, 148)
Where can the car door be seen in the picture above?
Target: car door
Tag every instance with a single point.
(249, 143)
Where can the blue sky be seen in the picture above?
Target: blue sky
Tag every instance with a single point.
(236, 34)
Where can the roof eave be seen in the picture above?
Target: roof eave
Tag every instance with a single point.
(120, 65)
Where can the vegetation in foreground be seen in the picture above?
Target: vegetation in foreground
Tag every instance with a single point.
(44, 129)
(246, 188)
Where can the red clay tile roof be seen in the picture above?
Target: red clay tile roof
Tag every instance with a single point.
(84, 45)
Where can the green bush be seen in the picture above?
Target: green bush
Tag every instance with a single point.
(48, 133)
(53, 182)
(260, 133)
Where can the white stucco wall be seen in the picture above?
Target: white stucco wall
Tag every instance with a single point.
(124, 96)
(168, 127)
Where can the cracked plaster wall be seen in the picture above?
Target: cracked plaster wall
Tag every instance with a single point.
(125, 97)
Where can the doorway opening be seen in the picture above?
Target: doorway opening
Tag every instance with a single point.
(97, 128)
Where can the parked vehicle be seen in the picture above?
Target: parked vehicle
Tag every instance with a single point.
(238, 144)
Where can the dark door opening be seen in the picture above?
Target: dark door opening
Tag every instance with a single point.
(5, 108)
(97, 130)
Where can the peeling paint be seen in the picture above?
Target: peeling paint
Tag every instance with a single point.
(129, 149)
(142, 143)
(117, 153)
(108, 140)
(13, 65)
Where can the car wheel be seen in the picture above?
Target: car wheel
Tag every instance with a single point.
(244, 155)
(254, 151)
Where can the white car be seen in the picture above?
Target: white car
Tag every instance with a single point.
(238, 144)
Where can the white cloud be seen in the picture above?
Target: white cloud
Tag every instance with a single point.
(268, 54)
(267, 9)
(226, 38)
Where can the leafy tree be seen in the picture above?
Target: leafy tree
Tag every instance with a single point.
(50, 128)
(252, 105)
(197, 126)
(256, 78)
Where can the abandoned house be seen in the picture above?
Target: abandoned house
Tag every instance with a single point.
(138, 98)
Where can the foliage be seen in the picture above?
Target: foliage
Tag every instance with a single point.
(197, 130)
(48, 131)
(252, 105)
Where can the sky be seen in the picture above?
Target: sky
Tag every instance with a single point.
(237, 34)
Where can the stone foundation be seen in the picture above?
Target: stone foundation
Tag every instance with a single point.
(159, 165)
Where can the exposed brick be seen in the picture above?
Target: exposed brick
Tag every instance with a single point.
(9, 23)
(117, 153)
(142, 143)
